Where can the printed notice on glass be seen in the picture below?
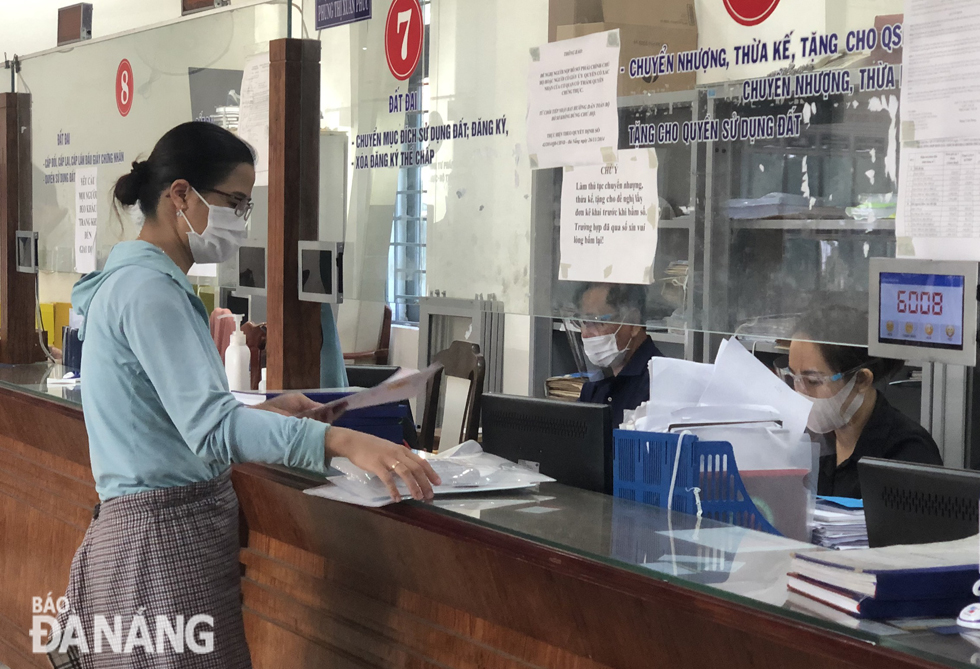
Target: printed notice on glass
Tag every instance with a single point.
(938, 201)
(86, 218)
(609, 216)
(940, 83)
(572, 116)
(253, 115)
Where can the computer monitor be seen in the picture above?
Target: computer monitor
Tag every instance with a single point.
(905, 503)
(369, 376)
(569, 442)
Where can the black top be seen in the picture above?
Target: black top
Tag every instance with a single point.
(628, 389)
(889, 434)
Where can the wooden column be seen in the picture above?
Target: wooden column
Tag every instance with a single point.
(18, 334)
(294, 336)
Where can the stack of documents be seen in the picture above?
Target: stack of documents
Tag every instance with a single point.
(839, 523)
(566, 388)
(933, 580)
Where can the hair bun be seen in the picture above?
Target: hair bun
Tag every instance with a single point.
(140, 169)
(127, 190)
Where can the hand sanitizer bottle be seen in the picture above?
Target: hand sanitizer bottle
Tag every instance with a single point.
(237, 358)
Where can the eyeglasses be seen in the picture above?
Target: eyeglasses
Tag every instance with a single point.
(809, 382)
(587, 323)
(243, 206)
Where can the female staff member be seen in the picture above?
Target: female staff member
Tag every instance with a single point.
(163, 428)
(856, 420)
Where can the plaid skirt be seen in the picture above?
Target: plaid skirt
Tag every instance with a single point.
(160, 571)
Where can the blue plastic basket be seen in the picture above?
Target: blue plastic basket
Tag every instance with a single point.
(644, 465)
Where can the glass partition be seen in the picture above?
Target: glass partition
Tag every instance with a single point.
(774, 150)
(776, 143)
(101, 105)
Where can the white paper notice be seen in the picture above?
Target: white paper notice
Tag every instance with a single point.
(253, 115)
(572, 116)
(940, 91)
(937, 203)
(609, 216)
(86, 218)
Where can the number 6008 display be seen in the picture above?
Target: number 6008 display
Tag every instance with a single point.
(922, 302)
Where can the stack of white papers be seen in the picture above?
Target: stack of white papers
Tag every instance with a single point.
(840, 524)
(737, 399)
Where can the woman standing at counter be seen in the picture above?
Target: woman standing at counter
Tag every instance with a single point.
(163, 429)
(848, 412)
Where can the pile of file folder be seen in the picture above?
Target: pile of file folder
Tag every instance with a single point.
(839, 523)
(926, 580)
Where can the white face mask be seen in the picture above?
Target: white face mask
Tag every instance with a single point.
(829, 413)
(221, 239)
(603, 351)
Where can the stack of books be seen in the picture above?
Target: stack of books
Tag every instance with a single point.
(927, 580)
(839, 523)
(567, 388)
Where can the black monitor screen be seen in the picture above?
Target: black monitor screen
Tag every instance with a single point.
(251, 267)
(317, 276)
(570, 442)
(906, 503)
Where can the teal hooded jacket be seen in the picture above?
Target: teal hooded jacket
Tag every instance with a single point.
(157, 407)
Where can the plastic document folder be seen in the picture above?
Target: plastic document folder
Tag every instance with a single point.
(465, 469)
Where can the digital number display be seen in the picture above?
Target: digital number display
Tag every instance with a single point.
(921, 310)
(924, 302)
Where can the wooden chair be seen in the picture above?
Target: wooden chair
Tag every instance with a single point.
(462, 360)
(379, 355)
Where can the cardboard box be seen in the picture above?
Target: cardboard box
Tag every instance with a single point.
(637, 42)
(678, 13)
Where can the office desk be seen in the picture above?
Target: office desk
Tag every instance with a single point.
(555, 577)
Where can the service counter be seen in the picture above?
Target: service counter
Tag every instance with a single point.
(555, 577)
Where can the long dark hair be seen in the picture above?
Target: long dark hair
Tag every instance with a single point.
(849, 326)
(202, 153)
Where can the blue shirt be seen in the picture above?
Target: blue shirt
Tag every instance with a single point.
(157, 407)
(628, 389)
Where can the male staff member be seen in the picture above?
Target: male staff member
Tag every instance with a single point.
(615, 341)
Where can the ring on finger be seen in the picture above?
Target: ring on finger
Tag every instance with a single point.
(394, 466)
